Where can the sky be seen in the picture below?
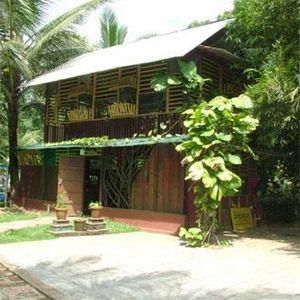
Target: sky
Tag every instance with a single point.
(146, 16)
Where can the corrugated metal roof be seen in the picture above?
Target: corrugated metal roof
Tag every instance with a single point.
(125, 142)
(176, 44)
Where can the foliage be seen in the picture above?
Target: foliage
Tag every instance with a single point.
(61, 201)
(197, 23)
(193, 236)
(265, 32)
(95, 204)
(192, 83)
(17, 216)
(218, 132)
(259, 24)
(281, 201)
(112, 33)
(225, 15)
(36, 233)
(26, 49)
(119, 227)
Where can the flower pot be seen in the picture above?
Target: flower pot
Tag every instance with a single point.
(95, 213)
(79, 224)
(61, 213)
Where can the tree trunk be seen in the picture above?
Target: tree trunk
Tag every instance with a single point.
(12, 116)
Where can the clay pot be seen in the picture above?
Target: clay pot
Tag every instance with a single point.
(79, 224)
(96, 213)
(61, 213)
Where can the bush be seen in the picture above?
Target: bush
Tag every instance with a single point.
(279, 209)
(281, 200)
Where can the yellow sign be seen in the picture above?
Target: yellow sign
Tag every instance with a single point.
(241, 218)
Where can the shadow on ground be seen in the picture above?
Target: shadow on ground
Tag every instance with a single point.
(288, 235)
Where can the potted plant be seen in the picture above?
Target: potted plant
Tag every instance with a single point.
(61, 208)
(95, 208)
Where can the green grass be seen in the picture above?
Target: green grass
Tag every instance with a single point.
(17, 216)
(119, 227)
(39, 232)
(35, 233)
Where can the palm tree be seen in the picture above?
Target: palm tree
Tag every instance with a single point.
(112, 33)
(25, 48)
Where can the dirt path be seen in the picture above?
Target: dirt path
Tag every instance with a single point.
(13, 287)
(6, 226)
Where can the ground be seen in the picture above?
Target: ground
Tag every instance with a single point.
(12, 287)
(142, 265)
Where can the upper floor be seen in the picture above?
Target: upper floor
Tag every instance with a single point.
(109, 92)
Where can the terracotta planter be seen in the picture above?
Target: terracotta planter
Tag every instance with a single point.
(96, 213)
(79, 224)
(61, 213)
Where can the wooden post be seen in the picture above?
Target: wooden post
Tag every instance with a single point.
(137, 90)
(94, 95)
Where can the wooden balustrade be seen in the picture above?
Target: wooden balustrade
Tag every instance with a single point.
(117, 127)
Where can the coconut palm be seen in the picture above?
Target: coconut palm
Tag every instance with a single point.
(112, 33)
(26, 48)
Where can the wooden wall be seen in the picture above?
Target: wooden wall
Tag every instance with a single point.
(70, 180)
(38, 182)
(160, 184)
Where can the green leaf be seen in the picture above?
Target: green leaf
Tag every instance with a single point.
(187, 69)
(182, 232)
(208, 133)
(234, 159)
(173, 80)
(224, 137)
(216, 193)
(197, 141)
(208, 181)
(188, 112)
(160, 82)
(187, 123)
(242, 101)
(194, 230)
(224, 175)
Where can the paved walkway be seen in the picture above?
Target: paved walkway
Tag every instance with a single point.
(12, 287)
(5, 226)
(152, 266)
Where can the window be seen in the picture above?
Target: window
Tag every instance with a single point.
(152, 102)
(85, 100)
(127, 94)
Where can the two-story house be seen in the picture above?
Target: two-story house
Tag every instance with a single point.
(134, 168)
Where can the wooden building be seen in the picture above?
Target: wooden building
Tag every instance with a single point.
(134, 168)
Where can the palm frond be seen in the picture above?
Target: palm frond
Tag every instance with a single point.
(14, 57)
(112, 33)
(75, 15)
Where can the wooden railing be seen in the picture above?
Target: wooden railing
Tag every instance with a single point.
(117, 127)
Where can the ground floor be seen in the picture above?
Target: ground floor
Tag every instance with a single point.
(142, 185)
(155, 266)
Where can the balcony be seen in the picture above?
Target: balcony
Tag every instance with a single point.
(116, 127)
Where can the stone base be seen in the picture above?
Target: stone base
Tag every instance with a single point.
(78, 233)
(96, 220)
(61, 226)
(94, 226)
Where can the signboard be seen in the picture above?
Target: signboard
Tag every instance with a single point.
(241, 218)
(3, 182)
